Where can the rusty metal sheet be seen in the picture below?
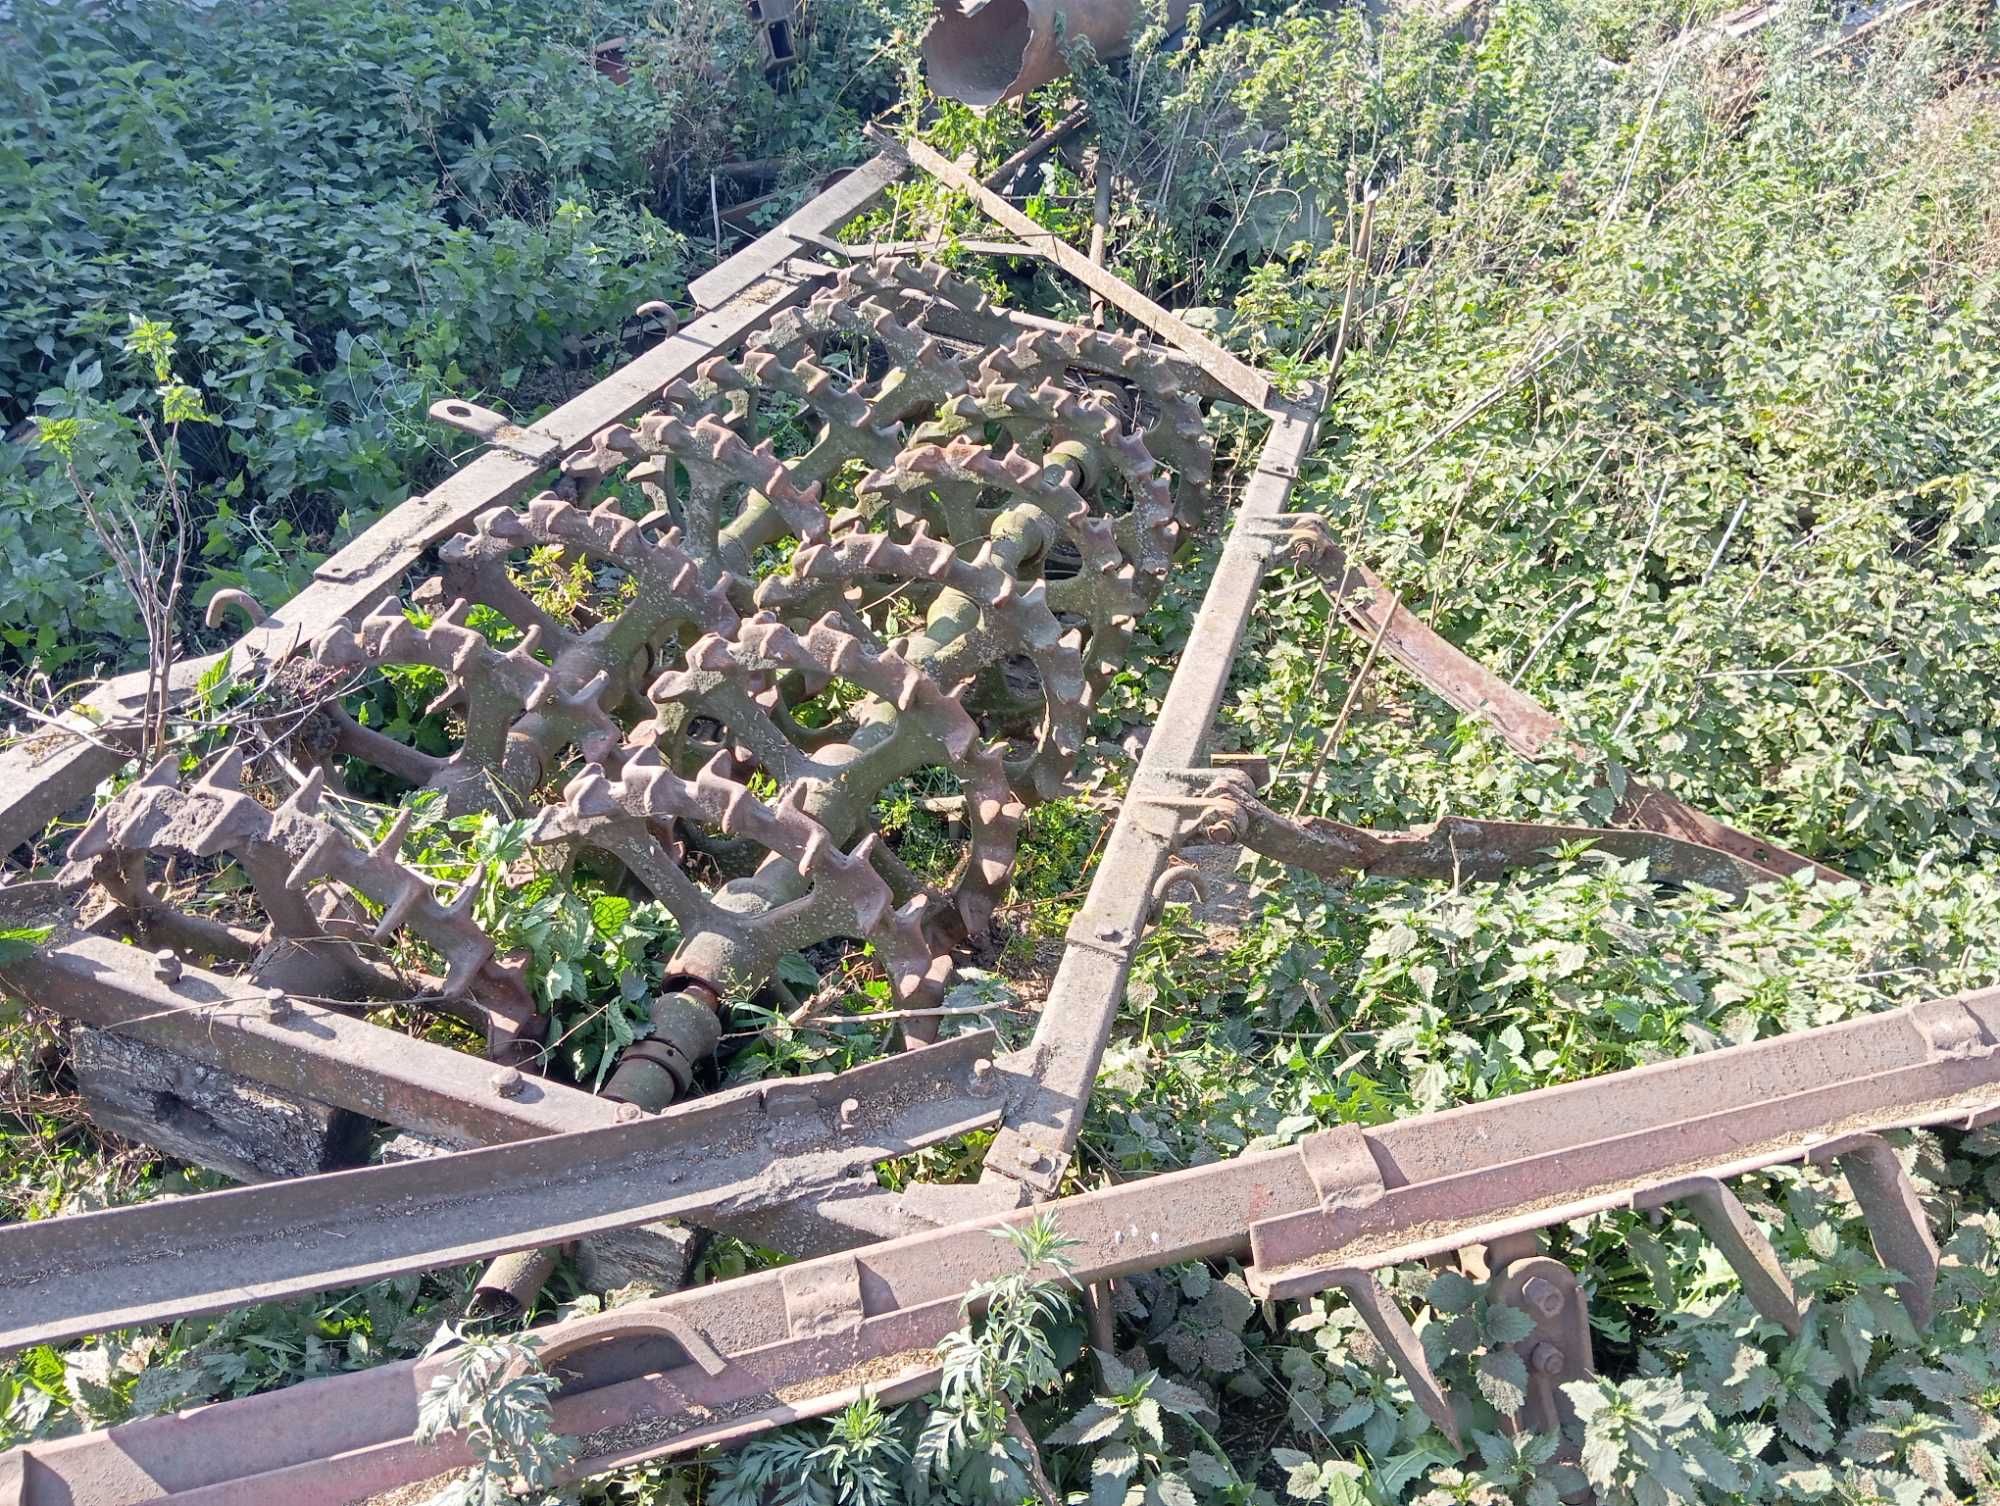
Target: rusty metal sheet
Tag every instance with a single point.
(778, 1140)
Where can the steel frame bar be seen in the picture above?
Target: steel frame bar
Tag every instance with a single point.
(774, 1141)
(716, 1363)
(298, 1046)
(1040, 1130)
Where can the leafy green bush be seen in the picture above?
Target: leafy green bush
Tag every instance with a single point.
(344, 208)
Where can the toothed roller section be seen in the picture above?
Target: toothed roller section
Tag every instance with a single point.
(292, 848)
(894, 487)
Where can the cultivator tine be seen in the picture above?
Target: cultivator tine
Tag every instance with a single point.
(1385, 1320)
(1715, 1210)
(1897, 1227)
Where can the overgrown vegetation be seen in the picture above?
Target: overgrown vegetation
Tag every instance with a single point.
(1670, 390)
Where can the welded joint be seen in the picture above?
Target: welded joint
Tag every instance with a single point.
(496, 429)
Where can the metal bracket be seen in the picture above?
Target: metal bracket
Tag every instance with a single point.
(1015, 1156)
(500, 432)
(1559, 1348)
(1342, 1167)
(1953, 1032)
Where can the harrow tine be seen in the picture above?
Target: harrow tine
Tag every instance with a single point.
(1717, 1212)
(1896, 1223)
(1399, 1340)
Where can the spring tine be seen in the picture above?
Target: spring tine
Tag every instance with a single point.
(1392, 1331)
(1896, 1224)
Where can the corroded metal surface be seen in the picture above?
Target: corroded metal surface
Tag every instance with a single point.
(851, 525)
(675, 1373)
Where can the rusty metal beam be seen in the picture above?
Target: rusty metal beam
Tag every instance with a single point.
(1248, 383)
(295, 1045)
(767, 1143)
(718, 1363)
(1040, 1131)
(1377, 615)
(1455, 847)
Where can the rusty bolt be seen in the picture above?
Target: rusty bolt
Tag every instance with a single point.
(630, 1113)
(850, 1111)
(507, 1082)
(1547, 1359)
(1543, 1296)
(1224, 822)
(982, 1076)
(167, 965)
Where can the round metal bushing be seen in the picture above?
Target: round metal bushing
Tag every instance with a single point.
(1547, 1359)
(658, 1070)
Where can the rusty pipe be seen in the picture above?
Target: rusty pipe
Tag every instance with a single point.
(986, 51)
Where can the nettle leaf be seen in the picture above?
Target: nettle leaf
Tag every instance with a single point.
(1098, 1420)
(1145, 1415)
(1170, 1489)
(1353, 1415)
(1116, 1376)
(1503, 1380)
(1110, 1468)
(1205, 1469)
(1507, 1325)
(1179, 1398)
(1451, 1292)
(17, 942)
(1395, 1473)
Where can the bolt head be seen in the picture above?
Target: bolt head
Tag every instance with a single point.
(982, 1075)
(1547, 1359)
(630, 1113)
(167, 965)
(507, 1082)
(1543, 1296)
(850, 1110)
(277, 1007)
